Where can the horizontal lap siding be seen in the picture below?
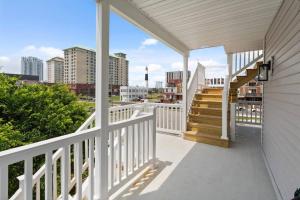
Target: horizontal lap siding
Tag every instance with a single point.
(281, 130)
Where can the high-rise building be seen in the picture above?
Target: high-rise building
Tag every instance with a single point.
(32, 66)
(55, 70)
(118, 70)
(80, 67)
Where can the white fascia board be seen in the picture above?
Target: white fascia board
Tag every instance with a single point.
(125, 9)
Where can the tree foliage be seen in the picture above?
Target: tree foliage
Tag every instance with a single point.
(34, 112)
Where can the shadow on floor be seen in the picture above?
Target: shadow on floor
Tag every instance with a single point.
(212, 173)
(133, 191)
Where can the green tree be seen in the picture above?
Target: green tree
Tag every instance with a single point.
(34, 112)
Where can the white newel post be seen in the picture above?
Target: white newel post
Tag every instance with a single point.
(224, 109)
(101, 118)
(184, 91)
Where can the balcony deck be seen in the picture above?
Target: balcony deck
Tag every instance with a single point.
(190, 171)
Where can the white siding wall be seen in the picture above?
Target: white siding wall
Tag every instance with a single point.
(281, 131)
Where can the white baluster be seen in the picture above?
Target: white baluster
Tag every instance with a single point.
(28, 179)
(78, 172)
(55, 180)
(38, 190)
(65, 174)
(126, 151)
(138, 145)
(91, 169)
(112, 158)
(86, 151)
(133, 147)
(164, 118)
(48, 176)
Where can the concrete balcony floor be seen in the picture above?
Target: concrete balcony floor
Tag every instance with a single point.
(189, 171)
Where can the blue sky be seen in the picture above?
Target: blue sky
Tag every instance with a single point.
(43, 28)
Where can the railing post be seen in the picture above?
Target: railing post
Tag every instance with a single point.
(232, 121)
(101, 119)
(3, 182)
(184, 91)
(224, 109)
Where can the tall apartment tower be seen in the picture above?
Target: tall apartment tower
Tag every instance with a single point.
(79, 65)
(32, 66)
(55, 70)
(118, 70)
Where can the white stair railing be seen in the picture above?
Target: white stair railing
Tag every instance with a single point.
(243, 60)
(196, 82)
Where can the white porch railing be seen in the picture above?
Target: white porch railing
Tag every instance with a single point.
(131, 148)
(119, 113)
(168, 117)
(196, 82)
(248, 112)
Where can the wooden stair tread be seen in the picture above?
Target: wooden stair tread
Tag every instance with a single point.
(205, 94)
(195, 124)
(206, 108)
(207, 116)
(208, 101)
(199, 134)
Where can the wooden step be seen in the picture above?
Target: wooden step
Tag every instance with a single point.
(206, 111)
(207, 103)
(216, 90)
(208, 97)
(205, 138)
(205, 128)
(206, 119)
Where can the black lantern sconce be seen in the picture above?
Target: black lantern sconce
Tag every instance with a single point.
(263, 71)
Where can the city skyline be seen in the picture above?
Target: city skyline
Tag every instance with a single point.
(50, 29)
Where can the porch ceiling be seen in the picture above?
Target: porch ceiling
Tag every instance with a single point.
(237, 24)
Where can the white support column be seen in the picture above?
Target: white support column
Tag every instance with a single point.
(101, 119)
(229, 63)
(184, 91)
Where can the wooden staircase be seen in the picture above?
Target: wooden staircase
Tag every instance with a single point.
(241, 80)
(205, 118)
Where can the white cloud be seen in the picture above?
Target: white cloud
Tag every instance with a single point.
(43, 52)
(149, 41)
(4, 60)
